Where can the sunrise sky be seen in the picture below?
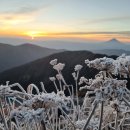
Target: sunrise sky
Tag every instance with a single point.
(82, 19)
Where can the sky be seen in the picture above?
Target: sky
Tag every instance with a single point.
(94, 20)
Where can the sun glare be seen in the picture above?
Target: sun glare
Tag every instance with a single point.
(35, 34)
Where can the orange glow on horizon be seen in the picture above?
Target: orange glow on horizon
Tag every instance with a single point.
(88, 36)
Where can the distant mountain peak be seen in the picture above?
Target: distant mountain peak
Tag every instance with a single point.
(114, 40)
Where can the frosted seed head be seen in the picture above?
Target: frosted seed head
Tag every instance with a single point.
(78, 67)
(53, 62)
(59, 67)
(58, 76)
(52, 79)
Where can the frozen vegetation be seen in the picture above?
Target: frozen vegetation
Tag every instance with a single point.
(105, 106)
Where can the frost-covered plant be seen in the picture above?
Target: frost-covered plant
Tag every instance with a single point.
(105, 106)
(120, 66)
(27, 116)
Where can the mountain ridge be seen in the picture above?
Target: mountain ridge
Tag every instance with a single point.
(41, 70)
(12, 56)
